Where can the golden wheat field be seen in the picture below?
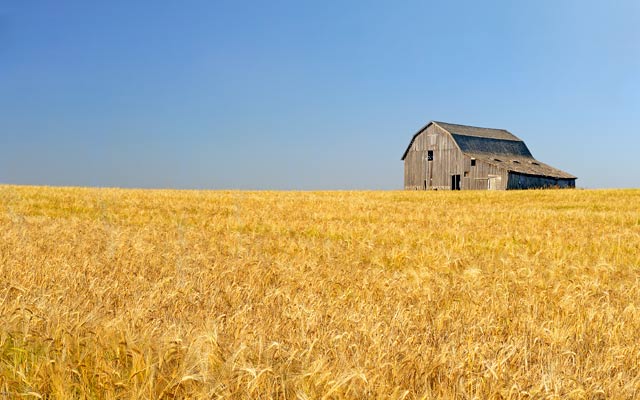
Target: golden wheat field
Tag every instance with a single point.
(148, 294)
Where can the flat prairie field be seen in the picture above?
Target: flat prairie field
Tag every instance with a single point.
(149, 294)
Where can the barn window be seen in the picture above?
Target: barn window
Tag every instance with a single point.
(466, 174)
(534, 163)
(473, 162)
(430, 155)
(515, 161)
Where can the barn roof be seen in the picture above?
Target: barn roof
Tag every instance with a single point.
(497, 147)
(522, 165)
(488, 133)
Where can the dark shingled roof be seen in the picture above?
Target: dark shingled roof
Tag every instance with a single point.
(497, 147)
(475, 131)
(522, 165)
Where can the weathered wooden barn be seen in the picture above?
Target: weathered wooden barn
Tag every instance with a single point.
(443, 156)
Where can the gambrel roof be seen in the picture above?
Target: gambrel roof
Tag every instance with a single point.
(498, 147)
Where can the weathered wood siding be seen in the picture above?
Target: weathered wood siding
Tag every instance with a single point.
(448, 160)
(522, 181)
(436, 174)
(478, 176)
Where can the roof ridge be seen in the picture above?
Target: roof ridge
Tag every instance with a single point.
(471, 126)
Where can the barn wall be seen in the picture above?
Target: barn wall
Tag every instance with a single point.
(447, 161)
(521, 181)
(414, 168)
(478, 176)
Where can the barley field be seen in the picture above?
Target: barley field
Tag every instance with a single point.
(149, 294)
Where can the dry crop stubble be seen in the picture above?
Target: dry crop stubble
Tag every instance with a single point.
(110, 293)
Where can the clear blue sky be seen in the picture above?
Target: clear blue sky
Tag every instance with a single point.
(308, 95)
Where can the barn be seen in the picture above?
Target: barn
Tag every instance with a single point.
(444, 156)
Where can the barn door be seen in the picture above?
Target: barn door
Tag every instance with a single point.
(455, 182)
(494, 182)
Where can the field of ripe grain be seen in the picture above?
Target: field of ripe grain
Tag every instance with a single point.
(128, 294)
